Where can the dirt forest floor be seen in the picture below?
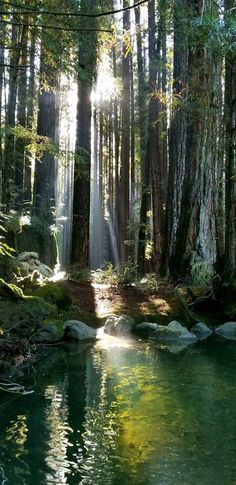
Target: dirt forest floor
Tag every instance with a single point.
(168, 302)
(102, 300)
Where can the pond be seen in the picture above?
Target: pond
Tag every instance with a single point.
(124, 413)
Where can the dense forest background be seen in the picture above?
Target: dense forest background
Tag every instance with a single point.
(117, 140)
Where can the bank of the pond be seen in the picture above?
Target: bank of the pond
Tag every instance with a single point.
(36, 315)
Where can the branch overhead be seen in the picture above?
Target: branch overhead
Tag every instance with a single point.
(69, 14)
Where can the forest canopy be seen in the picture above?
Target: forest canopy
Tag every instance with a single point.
(117, 134)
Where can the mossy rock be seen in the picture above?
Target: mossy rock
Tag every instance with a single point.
(38, 237)
(55, 294)
(23, 317)
(49, 331)
(58, 325)
(38, 309)
(11, 291)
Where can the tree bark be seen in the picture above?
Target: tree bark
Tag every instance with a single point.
(154, 139)
(116, 161)
(144, 161)
(125, 145)
(177, 135)
(81, 204)
(2, 62)
(9, 151)
(30, 120)
(195, 234)
(44, 189)
(21, 120)
(230, 154)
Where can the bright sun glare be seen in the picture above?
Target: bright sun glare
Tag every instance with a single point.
(106, 85)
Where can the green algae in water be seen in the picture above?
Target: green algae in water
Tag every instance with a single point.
(125, 414)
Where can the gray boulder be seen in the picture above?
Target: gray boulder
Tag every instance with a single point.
(201, 330)
(78, 331)
(173, 332)
(27, 256)
(24, 268)
(45, 270)
(123, 325)
(227, 330)
(147, 328)
(28, 262)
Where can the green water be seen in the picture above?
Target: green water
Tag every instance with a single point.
(125, 414)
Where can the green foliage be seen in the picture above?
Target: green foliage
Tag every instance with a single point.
(54, 328)
(40, 227)
(36, 144)
(127, 273)
(25, 315)
(15, 221)
(12, 222)
(148, 283)
(12, 291)
(80, 275)
(107, 276)
(116, 275)
(201, 273)
(75, 312)
(54, 294)
(82, 157)
(5, 249)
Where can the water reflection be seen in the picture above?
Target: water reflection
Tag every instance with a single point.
(56, 420)
(124, 413)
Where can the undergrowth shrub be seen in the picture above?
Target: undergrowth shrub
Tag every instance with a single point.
(201, 273)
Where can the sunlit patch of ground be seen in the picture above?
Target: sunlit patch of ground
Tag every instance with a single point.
(103, 300)
(155, 305)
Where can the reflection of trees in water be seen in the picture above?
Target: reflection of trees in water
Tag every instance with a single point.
(160, 405)
(56, 421)
(126, 414)
(99, 435)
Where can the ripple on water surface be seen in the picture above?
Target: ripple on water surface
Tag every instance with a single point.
(124, 413)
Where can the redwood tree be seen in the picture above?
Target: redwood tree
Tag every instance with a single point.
(81, 205)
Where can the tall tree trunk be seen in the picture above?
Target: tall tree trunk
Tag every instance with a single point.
(145, 165)
(44, 190)
(116, 161)
(132, 214)
(9, 151)
(96, 239)
(230, 153)
(30, 120)
(21, 120)
(163, 88)
(125, 144)
(132, 142)
(177, 134)
(44, 181)
(154, 139)
(195, 234)
(81, 204)
(2, 62)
